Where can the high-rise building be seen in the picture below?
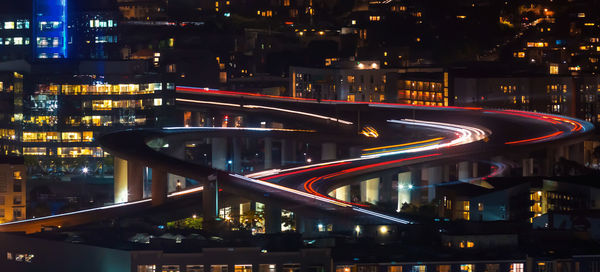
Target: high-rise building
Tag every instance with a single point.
(11, 113)
(15, 36)
(50, 29)
(12, 169)
(12, 189)
(143, 9)
(67, 106)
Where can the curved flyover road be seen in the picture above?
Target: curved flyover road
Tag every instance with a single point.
(451, 132)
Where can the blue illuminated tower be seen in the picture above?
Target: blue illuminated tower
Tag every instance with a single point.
(50, 29)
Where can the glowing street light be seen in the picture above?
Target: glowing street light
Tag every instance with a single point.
(383, 229)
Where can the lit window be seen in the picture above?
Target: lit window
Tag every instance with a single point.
(194, 268)
(9, 25)
(243, 268)
(88, 136)
(157, 101)
(517, 267)
(18, 41)
(466, 268)
(419, 268)
(444, 268)
(146, 268)
(170, 268)
(394, 268)
(218, 268)
(71, 137)
(17, 175)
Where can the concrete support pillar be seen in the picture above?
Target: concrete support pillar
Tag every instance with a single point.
(341, 193)
(159, 186)
(210, 202)
(219, 153)
(475, 169)
(235, 212)
(528, 167)
(272, 219)
(576, 152)
(355, 152)
(120, 177)
(305, 225)
(288, 151)
(369, 191)
(446, 173)
(328, 151)
(549, 162)
(416, 179)
(434, 177)
(561, 152)
(464, 170)
(268, 153)
(386, 189)
(404, 189)
(196, 119)
(175, 182)
(135, 180)
(237, 155)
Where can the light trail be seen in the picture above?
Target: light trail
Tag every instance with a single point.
(401, 145)
(240, 128)
(400, 149)
(466, 134)
(535, 139)
(308, 185)
(575, 125)
(380, 215)
(188, 89)
(114, 206)
(290, 190)
(305, 170)
(300, 113)
(267, 108)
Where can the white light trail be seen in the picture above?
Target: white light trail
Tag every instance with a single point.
(300, 113)
(466, 134)
(267, 108)
(183, 192)
(322, 199)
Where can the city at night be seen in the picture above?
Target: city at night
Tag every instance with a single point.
(299, 136)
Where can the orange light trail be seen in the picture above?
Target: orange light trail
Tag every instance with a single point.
(404, 144)
(536, 139)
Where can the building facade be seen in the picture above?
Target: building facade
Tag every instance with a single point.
(13, 197)
(15, 36)
(62, 116)
(364, 81)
